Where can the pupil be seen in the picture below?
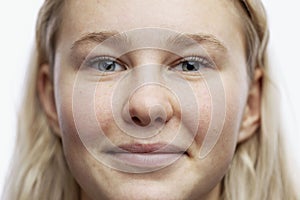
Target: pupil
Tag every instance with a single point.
(189, 66)
(110, 66)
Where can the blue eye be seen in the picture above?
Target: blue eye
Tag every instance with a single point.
(193, 64)
(105, 64)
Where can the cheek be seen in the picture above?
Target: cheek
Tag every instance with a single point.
(235, 101)
(221, 108)
(103, 107)
(203, 96)
(74, 97)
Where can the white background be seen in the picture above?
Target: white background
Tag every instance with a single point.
(17, 20)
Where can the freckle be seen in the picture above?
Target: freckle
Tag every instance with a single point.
(110, 85)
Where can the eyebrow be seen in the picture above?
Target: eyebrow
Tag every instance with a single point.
(99, 37)
(185, 39)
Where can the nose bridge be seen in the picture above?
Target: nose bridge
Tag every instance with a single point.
(147, 74)
(146, 55)
(147, 65)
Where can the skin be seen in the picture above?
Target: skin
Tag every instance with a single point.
(242, 97)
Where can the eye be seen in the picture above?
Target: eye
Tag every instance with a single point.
(105, 64)
(193, 64)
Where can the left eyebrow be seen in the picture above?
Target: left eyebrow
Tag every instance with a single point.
(188, 39)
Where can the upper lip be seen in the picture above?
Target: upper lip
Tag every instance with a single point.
(147, 148)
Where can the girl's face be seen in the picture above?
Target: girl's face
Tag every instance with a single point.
(151, 97)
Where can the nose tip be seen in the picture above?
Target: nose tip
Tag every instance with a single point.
(149, 106)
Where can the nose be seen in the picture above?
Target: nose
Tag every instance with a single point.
(149, 104)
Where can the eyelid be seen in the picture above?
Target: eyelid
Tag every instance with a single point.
(209, 62)
(102, 58)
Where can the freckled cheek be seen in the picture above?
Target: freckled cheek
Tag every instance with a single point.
(234, 112)
(69, 132)
(235, 98)
(204, 106)
(226, 144)
(103, 108)
(220, 117)
(64, 108)
(75, 107)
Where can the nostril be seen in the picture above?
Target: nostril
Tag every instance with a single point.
(158, 114)
(159, 120)
(138, 122)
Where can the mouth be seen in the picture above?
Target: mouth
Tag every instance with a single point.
(147, 156)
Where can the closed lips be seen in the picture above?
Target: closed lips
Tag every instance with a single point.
(146, 155)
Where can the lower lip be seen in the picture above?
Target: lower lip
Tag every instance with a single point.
(147, 160)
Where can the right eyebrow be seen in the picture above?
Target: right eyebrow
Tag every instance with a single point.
(99, 37)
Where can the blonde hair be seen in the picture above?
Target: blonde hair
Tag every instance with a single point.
(39, 170)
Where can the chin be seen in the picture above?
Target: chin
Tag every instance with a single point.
(147, 191)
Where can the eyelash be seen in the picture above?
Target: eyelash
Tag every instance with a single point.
(201, 61)
(101, 59)
(204, 62)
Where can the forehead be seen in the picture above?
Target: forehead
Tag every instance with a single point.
(214, 17)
